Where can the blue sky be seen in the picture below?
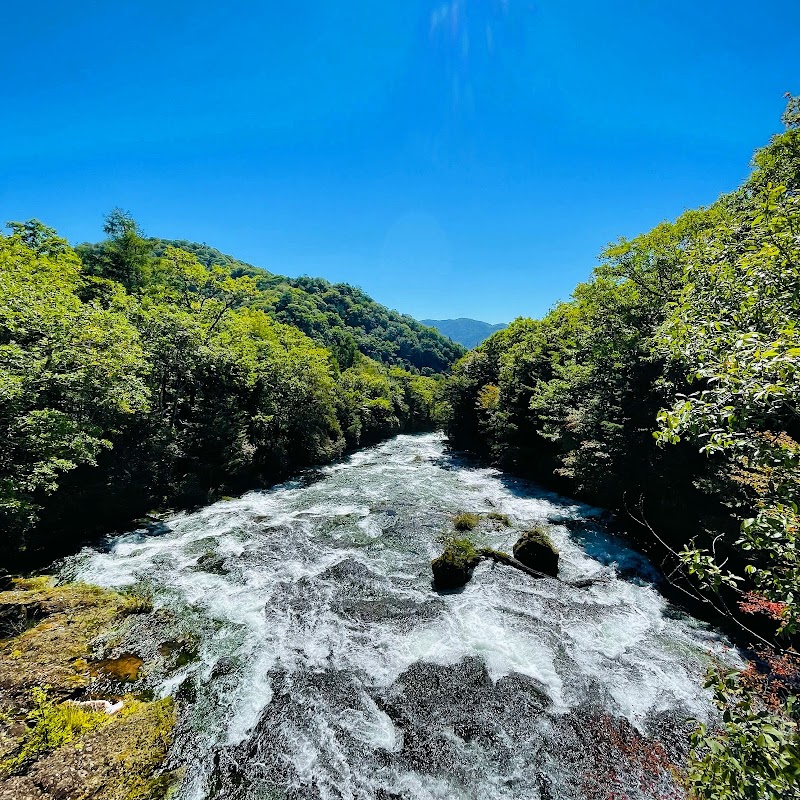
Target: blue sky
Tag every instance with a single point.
(468, 158)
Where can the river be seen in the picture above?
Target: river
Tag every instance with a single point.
(328, 667)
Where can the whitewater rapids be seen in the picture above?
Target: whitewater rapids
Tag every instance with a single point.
(328, 666)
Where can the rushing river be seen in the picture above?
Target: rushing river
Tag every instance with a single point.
(328, 667)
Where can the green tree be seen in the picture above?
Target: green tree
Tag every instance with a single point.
(753, 755)
(70, 373)
(125, 256)
(736, 328)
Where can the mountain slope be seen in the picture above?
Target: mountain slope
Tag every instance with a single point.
(339, 316)
(467, 332)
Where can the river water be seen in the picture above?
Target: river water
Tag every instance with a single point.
(328, 666)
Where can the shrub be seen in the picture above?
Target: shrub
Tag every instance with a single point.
(755, 752)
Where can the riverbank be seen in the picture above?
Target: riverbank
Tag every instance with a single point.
(61, 647)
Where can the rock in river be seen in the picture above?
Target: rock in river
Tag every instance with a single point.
(535, 550)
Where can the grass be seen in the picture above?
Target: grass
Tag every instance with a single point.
(54, 725)
(466, 521)
(124, 752)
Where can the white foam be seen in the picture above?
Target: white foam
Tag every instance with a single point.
(272, 609)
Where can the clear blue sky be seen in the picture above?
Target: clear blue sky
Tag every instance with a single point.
(453, 159)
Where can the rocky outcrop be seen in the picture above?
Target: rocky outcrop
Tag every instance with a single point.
(534, 555)
(58, 739)
(453, 568)
(535, 550)
(122, 759)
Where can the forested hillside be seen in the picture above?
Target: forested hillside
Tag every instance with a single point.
(134, 376)
(337, 316)
(467, 332)
(667, 387)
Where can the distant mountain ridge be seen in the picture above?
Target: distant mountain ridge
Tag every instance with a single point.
(467, 332)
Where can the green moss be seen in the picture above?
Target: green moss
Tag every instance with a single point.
(453, 568)
(39, 582)
(466, 521)
(540, 535)
(137, 603)
(496, 516)
(489, 552)
(142, 749)
(84, 753)
(460, 550)
(57, 648)
(53, 726)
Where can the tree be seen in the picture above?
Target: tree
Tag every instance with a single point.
(125, 256)
(69, 372)
(207, 293)
(736, 328)
(37, 236)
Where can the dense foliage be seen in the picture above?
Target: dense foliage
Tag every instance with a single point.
(130, 380)
(667, 387)
(337, 316)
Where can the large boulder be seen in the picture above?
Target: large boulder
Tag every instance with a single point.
(535, 550)
(453, 568)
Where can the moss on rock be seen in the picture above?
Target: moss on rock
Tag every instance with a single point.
(466, 521)
(50, 748)
(535, 549)
(56, 648)
(121, 760)
(454, 567)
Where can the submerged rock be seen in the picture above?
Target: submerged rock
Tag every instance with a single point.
(535, 550)
(178, 652)
(432, 725)
(351, 572)
(213, 563)
(454, 567)
(444, 712)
